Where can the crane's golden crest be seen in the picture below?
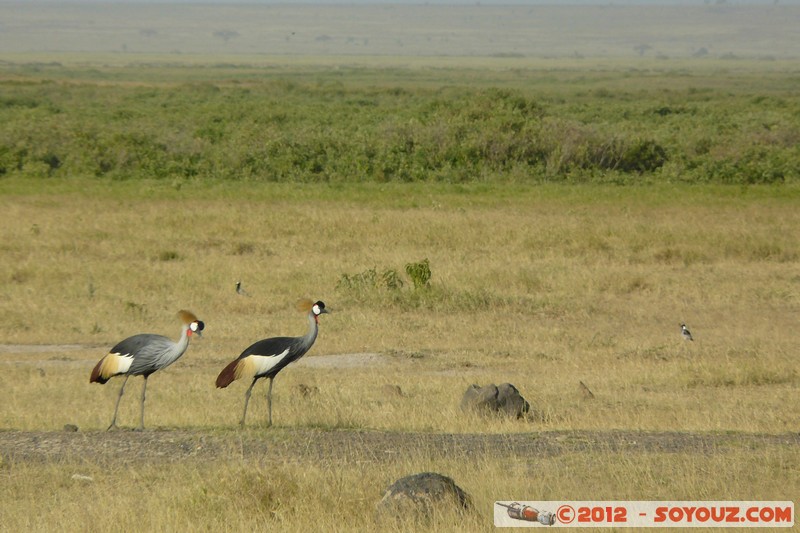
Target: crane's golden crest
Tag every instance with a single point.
(308, 306)
(305, 305)
(187, 317)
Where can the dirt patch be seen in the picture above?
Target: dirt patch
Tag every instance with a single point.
(43, 348)
(348, 446)
(345, 360)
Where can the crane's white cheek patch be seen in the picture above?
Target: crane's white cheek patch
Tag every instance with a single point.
(316, 309)
(114, 364)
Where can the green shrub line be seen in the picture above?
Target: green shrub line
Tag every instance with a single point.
(284, 130)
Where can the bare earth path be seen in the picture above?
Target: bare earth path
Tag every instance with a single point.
(342, 446)
(339, 446)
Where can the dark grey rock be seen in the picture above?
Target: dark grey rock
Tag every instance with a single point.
(421, 493)
(503, 399)
(70, 427)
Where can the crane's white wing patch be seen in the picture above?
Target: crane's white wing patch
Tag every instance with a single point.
(258, 365)
(264, 364)
(115, 364)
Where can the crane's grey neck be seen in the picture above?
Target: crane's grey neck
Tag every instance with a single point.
(313, 328)
(182, 344)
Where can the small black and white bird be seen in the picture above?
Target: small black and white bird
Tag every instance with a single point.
(265, 358)
(687, 335)
(240, 290)
(143, 354)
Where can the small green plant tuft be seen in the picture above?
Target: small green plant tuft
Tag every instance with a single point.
(370, 280)
(363, 281)
(20, 276)
(168, 255)
(382, 287)
(420, 274)
(243, 248)
(138, 310)
(391, 279)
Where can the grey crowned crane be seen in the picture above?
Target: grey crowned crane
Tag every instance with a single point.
(687, 335)
(265, 358)
(143, 354)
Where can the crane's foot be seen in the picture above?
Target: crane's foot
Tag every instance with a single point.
(113, 426)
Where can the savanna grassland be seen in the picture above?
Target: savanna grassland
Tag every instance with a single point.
(570, 218)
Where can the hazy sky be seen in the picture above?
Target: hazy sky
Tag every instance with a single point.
(477, 28)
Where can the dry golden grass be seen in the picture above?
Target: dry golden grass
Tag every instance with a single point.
(237, 495)
(540, 287)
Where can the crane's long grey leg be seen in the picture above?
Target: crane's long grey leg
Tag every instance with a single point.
(269, 400)
(144, 391)
(246, 400)
(121, 390)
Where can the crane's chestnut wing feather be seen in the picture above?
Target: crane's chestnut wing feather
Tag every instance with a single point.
(227, 375)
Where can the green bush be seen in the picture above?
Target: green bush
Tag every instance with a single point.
(331, 131)
(370, 281)
(419, 273)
